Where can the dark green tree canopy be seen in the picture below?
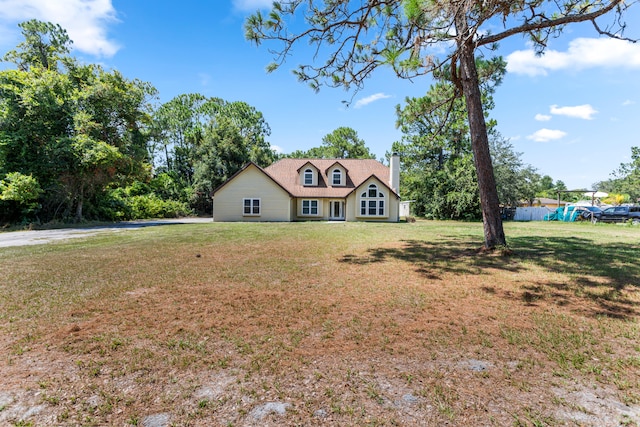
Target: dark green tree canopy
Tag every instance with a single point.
(343, 143)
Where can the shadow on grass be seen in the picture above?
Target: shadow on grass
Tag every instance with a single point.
(594, 271)
(597, 271)
(433, 259)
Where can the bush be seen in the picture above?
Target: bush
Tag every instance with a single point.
(151, 206)
(19, 196)
(120, 205)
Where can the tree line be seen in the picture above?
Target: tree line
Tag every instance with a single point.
(81, 142)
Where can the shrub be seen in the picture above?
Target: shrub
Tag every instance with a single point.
(20, 194)
(151, 206)
(120, 205)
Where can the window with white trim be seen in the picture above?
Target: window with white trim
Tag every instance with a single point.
(337, 177)
(308, 177)
(372, 202)
(251, 207)
(309, 207)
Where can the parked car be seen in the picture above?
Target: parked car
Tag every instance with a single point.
(591, 212)
(621, 214)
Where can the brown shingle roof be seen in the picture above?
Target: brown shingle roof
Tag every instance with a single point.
(286, 173)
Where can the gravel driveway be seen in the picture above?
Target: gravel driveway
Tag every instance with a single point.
(38, 237)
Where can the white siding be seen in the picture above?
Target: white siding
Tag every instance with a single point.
(251, 183)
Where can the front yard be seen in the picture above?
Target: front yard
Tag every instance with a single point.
(323, 324)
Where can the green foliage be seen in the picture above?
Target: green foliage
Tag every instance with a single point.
(626, 179)
(200, 142)
(77, 129)
(136, 202)
(45, 44)
(405, 34)
(23, 189)
(438, 170)
(19, 195)
(169, 186)
(87, 138)
(342, 143)
(515, 181)
(151, 206)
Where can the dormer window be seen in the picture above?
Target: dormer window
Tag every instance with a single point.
(308, 177)
(337, 177)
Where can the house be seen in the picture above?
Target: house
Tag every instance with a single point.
(544, 202)
(311, 189)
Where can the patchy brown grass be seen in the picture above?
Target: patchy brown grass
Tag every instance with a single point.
(347, 324)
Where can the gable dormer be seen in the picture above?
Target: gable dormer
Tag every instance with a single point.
(308, 175)
(336, 175)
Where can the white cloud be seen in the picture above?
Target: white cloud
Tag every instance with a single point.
(582, 53)
(628, 102)
(542, 117)
(86, 21)
(252, 5)
(585, 111)
(369, 99)
(277, 149)
(204, 78)
(546, 135)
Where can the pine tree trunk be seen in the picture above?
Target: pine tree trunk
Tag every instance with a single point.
(493, 230)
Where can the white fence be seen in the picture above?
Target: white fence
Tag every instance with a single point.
(531, 214)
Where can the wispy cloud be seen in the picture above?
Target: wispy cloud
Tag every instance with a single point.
(252, 5)
(542, 117)
(582, 53)
(86, 21)
(369, 99)
(546, 135)
(584, 112)
(628, 102)
(204, 78)
(277, 149)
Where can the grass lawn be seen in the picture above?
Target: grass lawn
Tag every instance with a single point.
(323, 324)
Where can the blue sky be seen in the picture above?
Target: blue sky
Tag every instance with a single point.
(574, 113)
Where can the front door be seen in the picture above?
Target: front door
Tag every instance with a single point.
(337, 209)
